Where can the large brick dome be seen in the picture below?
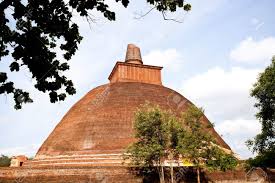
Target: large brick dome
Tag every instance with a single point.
(101, 123)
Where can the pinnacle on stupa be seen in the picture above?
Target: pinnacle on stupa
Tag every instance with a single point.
(133, 54)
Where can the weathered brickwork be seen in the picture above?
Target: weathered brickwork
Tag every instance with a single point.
(121, 175)
(129, 72)
(102, 121)
(68, 175)
(98, 128)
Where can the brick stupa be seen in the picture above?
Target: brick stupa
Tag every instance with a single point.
(87, 145)
(98, 128)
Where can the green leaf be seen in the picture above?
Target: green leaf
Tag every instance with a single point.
(14, 66)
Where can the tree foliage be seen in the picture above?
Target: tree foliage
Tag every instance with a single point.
(157, 133)
(160, 134)
(264, 92)
(32, 31)
(4, 161)
(199, 146)
(222, 162)
(264, 160)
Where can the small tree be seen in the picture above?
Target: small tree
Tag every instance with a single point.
(199, 146)
(175, 133)
(156, 133)
(4, 161)
(161, 135)
(151, 135)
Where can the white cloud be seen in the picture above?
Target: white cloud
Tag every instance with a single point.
(227, 91)
(225, 97)
(28, 150)
(238, 127)
(170, 59)
(217, 81)
(252, 51)
(236, 132)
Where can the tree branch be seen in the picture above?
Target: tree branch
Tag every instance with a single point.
(170, 19)
(143, 15)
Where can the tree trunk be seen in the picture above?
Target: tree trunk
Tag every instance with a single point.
(162, 175)
(172, 173)
(198, 175)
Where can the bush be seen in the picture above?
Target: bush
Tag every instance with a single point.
(4, 161)
(265, 160)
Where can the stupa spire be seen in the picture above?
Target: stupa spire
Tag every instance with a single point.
(133, 70)
(133, 54)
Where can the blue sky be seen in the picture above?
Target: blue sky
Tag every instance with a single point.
(212, 58)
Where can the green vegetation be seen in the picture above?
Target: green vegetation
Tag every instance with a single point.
(33, 32)
(157, 135)
(200, 147)
(264, 160)
(161, 135)
(264, 143)
(4, 161)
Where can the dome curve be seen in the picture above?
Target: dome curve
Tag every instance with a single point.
(102, 121)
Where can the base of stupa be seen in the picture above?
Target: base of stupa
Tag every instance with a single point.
(121, 174)
(85, 160)
(68, 174)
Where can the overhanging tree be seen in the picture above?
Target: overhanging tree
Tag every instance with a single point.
(32, 31)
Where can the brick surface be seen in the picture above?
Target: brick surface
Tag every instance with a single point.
(102, 121)
(129, 72)
(121, 175)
